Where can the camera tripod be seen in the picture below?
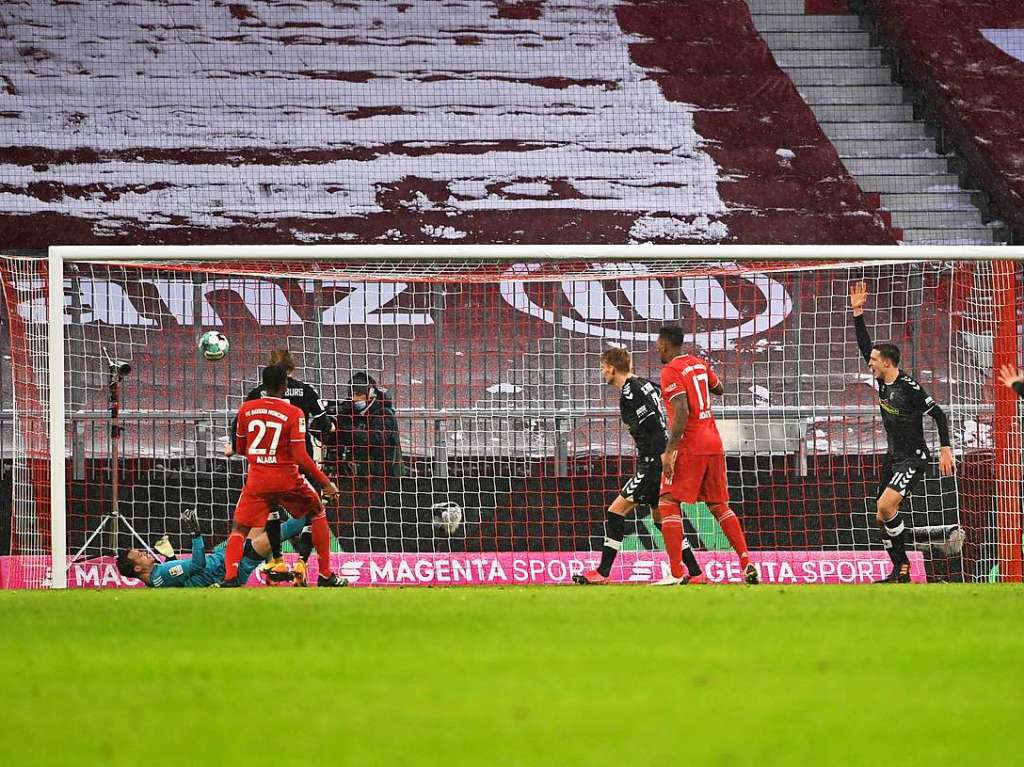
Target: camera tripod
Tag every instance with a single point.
(111, 522)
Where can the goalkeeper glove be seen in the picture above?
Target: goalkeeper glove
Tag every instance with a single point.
(190, 521)
(164, 548)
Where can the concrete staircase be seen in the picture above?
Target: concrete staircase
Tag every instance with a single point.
(843, 79)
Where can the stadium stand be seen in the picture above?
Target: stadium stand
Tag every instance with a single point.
(490, 122)
(967, 61)
(846, 78)
(767, 121)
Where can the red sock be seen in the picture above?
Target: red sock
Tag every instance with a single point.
(730, 524)
(233, 555)
(321, 535)
(672, 532)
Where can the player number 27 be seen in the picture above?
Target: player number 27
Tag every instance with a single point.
(256, 445)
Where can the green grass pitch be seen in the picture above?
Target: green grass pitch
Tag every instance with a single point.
(613, 676)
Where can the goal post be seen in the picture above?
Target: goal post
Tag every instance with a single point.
(508, 446)
(55, 388)
(1007, 351)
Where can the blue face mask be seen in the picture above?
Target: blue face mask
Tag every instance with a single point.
(360, 406)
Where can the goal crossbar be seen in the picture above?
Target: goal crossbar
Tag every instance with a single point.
(552, 253)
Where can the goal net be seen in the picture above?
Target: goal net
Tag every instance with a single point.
(493, 447)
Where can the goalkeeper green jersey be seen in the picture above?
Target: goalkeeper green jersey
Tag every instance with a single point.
(200, 570)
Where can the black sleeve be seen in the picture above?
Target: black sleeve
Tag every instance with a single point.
(233, 433)
(930, 407)
(344, 434)
(377, 430)
(941, 424)
(393, 459)
(1019, 388)
(315, 410)
(253, 394)
(863, 337)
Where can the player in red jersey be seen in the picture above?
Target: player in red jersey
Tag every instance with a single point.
(693, 464)
(271, 433)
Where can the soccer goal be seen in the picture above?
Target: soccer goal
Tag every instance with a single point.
(509, 447)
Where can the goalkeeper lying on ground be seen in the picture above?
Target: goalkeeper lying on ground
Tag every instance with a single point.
(203, 569)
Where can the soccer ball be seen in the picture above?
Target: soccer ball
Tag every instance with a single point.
(446, 517)
(214, 345)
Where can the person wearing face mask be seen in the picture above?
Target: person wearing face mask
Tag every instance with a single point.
(366, 442)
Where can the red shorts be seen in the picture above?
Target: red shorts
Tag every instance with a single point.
(258, 498)
(698, 478)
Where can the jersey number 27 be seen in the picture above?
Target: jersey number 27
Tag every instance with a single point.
(257, 444)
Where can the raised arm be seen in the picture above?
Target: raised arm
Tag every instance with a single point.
(176, 572)
(198, 561)
(190, 520)
(858, 300)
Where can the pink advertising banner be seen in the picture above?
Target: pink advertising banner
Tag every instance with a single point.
(520, 569)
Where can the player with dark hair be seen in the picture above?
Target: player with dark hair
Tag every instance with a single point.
(271, 433)
(644, 416)
(903, 404)
(693, 464)
(1012, 378)
(306, 398)
(202, 569)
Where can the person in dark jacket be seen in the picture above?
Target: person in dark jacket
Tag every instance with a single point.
(366, 441)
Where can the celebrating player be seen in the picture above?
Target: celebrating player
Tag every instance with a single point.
(1012, 378)
(640, 406)
(903, 404)
(693, 464)
(304, 397)
(271, 433)
(202, 569)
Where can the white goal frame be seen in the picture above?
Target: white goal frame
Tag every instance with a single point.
(59, 256)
